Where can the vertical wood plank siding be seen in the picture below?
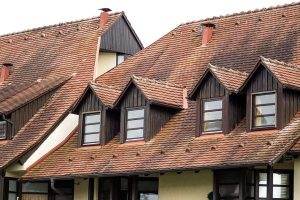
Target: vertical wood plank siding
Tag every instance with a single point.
(22, 115)
(119, 38)
(2, 183)
(233, 110)
(263, 81)
(155, 116)
(291, 104)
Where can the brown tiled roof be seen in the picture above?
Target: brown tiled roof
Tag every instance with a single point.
(107, 94)
(59, 50)
(178, 57)
(157, 92)
(287, 74)
(36, 89)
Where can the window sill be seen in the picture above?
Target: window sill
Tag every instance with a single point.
(262, 128)
(91, 145)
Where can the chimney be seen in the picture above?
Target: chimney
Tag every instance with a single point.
(104, 16)
(4, 71)
(207, 32)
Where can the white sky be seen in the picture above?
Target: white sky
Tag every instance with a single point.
(150, 18)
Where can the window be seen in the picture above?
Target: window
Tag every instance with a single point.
(135, 124)
(120, 58)
(212, 115)
(12, 190)
(3, 129)
(91, 128)
(148, 189)
(264, 110)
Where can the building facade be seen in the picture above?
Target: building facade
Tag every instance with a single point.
(209, 111)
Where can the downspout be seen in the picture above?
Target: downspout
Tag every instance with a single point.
(52, 186)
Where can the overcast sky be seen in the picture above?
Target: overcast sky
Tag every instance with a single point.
(150, 18)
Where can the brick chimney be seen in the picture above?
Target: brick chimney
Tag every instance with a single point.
(104, 16)
(207, 32)
(4, 71)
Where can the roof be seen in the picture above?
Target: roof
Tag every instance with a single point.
(231, 79)
(53, 51)
(157, 92)
(35, 90)
(106, 94)
(179, 58)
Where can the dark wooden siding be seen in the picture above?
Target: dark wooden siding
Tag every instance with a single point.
(119, 38)
(263, 81)
(233, 109)
(155, 116)
(110, 119)
(2, 183)
(22, 115)
(291, 104)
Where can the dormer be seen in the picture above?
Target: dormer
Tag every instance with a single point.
(219, 107)
(146, 105)
(273, 96)
(98, 121)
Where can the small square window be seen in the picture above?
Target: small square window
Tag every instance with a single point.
(120, 58)
(135, 124)
(212, 115)
(3, 127)
(264, 110)
(91, 128)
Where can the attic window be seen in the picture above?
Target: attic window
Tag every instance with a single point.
(212, 115)
(3, 125)
(135, 124)
(264, 109)
(91, 128)
(120, 58)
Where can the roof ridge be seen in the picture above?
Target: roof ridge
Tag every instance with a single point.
(244, 12)
(228, 69)
(275, 61)
(56, 25)
(104, 86)
(166, 83)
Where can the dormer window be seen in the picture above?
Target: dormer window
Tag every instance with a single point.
(3, 127)
(91, 128)
(264, 110)
(212, 115)
(135, 124)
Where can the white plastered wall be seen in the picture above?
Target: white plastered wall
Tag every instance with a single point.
(105, 62)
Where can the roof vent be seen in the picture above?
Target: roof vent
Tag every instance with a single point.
(5, 71)
(104, 16)
(207, 32)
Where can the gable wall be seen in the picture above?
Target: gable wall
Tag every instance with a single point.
(291, 102)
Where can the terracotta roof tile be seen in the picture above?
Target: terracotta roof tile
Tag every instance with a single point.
(179, 58)
(36, 89)
(287, 74)
(107, 94)
(36, 57)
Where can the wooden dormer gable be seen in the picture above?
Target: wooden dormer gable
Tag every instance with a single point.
(217, 85)
(152, 98)
(272, 76)
(98, 99)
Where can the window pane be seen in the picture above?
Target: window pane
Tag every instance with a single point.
(212, 126)
(120, 59)
(229, 190)
(134, 134)
(91, 138)
(280, 179)
(265, 121)
(281, 192)
(92, 128)
(263, 177)
(212, 115)
(92, 118)
(265, 98)
(138, 113)
(12, 196)
(148, 196)
(212, 105)
(2, 129)
(35, 187)
(12, 186)
(265, 110)
(262, 191)
(135, 123)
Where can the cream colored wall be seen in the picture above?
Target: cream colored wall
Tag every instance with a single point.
(81, 189)
(297, 179)
(187, 185)
(105, 62)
